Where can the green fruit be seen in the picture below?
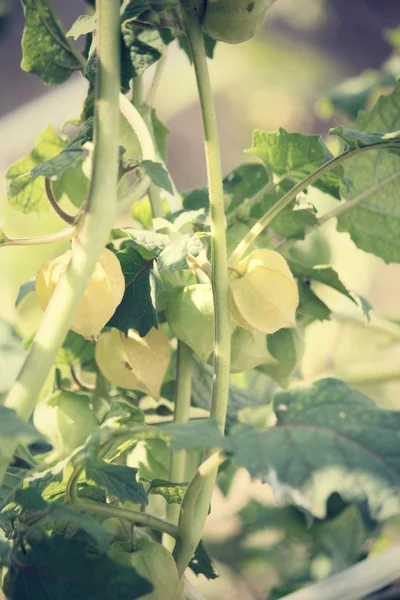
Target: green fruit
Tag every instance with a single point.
(153, 562)
(234, 21)
(66, 420)
(190, 314)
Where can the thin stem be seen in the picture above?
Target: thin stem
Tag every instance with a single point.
(51, 238)
(356, 582)
(220, 285)
(138, 124)
(133, 194)
(183, 392)
(137, 91)
(94, 230)
(151, 95)
(105, 510)
(274, 211)
(70, 219)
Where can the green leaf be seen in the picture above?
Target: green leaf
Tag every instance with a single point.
(12, 426)
(328, 438)
(145, 46)
(158, 174)
(200, 433)
(244, 182)
(201, 563)
(12, 355)
(174, 256)
(311, 308)
(137, 309)
(68, 157)
(119, 481)
(361, 139)
(154, 243)
(286, 347)
(209, 44)
(23, 192)
(76, 348)
(342, 538)
(64, 568)
(29, 499)
(295, 156)
(160, 132)
(83, 25)
(196, 199)
(46, 51)
(374, 222)
(171, 492)
(68, 515)
(323, 274)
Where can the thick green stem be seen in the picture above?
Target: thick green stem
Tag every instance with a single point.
(274, 211)
(95, 227)
(220, 284)
(183, 391)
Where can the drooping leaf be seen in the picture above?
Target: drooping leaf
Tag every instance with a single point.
(199, 433)
(174, 256)
(65, 568)
(362, 139)
(196, 199)
(12, 426)
(374, 222)
(323, 274)
(83, 25)
(23, 192)
(137, 309)
(202, 564)
(171, 492)
(68, 157)
(160, 132)
(286, 346)
(311, 308)
(158, 174)
(295, 155)
(119, 481)
(209, 44)
(242, 183)
(328, 438)
(46, 50)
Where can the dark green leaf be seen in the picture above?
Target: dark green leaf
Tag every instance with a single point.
(68, 515)
(244, 182)
(137, 309)
(11, 425)
(174, 256)
(68, 157)
(196, 199)
(328, 438)
(209, 44)
(119, 481)
(66, 569)
(29, 499)
(171, 492)
(200, 433)
(311, 308)
(160, 132)
(46, 50)
(374, 222)
(323, 274)
(295, 155)
(23, 192)
(286, 345)
(158, 174)
(201, 563)
(361, 139)
(76, 348)
(145, 46)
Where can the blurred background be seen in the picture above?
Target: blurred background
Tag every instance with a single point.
(281, 79)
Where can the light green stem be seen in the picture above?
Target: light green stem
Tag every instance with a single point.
(192, 531)
(94, 230)
(274, 211)
(51, 238)
(183, 391)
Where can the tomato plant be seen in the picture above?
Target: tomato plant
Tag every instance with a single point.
(145, 325)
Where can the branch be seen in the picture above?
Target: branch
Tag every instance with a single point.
(70, 219)
(51, 238)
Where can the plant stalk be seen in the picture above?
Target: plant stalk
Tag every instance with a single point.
(192, 531)
(94, 230)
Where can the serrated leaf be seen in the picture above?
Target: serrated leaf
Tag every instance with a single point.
(158, 174)
(201, 563)
(328, 438)
(374, 223)
(23, 192)
(361, 139)
(151, 241)
(323, 274)
(137, 309)
(119, 481)
(171, 492)
(68, 157)
(295, 155)
(63, 568)
(63, 513)
(174, 256)
(286, 347)
(46, 51)
(83, 25)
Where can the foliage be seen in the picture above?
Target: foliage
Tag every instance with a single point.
(138, 414)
